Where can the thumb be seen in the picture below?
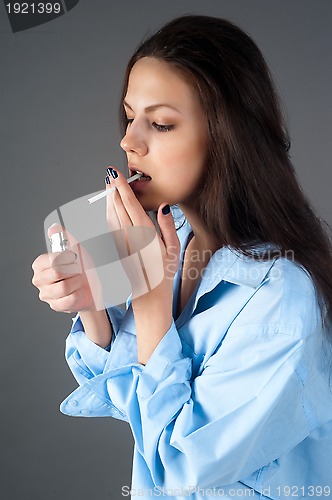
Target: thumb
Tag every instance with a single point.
(54, 228)
(167, 228)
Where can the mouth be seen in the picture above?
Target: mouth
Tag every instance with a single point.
(145, 177)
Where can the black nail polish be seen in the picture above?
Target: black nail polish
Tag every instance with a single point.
(109, 171)
(166, 210)
(114, 174)
(107, 180)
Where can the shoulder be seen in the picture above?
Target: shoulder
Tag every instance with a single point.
(299, 301)
(286, 300)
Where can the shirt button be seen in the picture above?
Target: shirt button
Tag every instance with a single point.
(85, 412)
(72, 402)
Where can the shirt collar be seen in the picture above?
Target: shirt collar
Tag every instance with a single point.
(230, 265)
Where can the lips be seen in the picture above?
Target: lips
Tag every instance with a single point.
(134, 171)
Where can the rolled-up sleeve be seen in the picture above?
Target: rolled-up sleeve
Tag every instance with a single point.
(85, 358)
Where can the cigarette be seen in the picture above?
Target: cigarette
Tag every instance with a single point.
(108, 191)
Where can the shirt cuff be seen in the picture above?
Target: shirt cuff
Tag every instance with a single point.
(166, 363)
(88, 355)
(115, 316)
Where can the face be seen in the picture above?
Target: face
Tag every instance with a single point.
(166, 136)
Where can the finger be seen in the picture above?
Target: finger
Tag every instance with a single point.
(111, 213)
(54, 228)
(47, 260)
(70, 303)
(61, 289)
(168, 231)
(117, 218)
(121, 236)
(131, 204)
(57, 273)
(64, 258)
(41, 263)
(121, 212)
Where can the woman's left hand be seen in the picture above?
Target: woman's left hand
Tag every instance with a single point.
(149, 261)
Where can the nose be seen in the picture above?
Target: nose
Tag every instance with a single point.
(133, 142)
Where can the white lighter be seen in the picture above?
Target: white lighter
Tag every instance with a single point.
(59, 242)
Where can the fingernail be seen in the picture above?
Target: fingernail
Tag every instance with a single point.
(107, 180)
(166, 210)
(112, 172)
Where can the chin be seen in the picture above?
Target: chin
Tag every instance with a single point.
(149, 206)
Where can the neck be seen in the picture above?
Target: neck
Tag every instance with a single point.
(202, 240)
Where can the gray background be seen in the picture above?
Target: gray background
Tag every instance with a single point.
(60, 84)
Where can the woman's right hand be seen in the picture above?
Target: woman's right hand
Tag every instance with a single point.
(61, 281)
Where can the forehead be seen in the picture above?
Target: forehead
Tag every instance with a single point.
(153, 79)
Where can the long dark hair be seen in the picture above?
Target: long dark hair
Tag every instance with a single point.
(250, 192)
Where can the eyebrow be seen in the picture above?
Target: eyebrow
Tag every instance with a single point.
(152, 108)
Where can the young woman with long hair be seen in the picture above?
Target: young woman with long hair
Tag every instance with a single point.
(222, 369)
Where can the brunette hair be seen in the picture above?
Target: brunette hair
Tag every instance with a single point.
(250, 192)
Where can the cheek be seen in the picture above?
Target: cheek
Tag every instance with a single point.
(184, 172)
(192, 161)
(185, 155)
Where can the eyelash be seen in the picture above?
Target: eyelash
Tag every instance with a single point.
(157, 126)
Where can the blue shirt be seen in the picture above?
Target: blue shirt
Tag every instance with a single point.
(235, 400)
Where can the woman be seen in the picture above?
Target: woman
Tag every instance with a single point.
(222, 369)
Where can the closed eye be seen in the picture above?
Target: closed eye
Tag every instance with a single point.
(157, 126)
(162, 128)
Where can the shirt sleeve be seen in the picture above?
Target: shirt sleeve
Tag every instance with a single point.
(85, 358)
(242, 411)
